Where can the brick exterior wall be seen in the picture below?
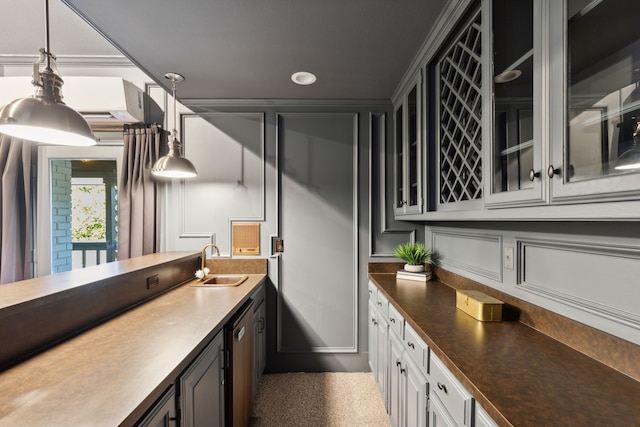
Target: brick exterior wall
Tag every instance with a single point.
(61, 245)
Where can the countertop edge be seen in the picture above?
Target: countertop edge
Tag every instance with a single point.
(96, 385)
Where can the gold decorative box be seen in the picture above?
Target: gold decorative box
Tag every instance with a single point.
(479, 306)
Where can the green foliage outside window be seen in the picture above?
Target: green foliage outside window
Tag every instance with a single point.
(89, 220)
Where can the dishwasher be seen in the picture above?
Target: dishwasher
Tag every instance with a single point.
(239, 337)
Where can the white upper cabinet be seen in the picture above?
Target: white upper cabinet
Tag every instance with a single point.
(530, 110)
(408, 150)
(594, 75)
(563, 111)
(512, 108)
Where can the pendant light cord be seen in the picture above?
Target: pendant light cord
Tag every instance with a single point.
(46, 33)
(175, 108)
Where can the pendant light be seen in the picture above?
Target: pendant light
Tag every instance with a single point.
(630, 159)
(44, 117)
(173, 165)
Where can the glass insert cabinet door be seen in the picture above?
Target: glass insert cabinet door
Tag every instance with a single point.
(514, 80)
(408, 153)
(601, 126)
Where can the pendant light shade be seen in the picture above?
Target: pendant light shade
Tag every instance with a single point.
(173, 165)
(44, 117)
(630, 159)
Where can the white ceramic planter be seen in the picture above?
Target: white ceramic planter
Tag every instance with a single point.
(414, 268)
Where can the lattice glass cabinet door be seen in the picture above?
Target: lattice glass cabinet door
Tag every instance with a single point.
(459, 113)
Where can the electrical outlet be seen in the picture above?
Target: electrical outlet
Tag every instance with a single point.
(153, 281)
(508, 258)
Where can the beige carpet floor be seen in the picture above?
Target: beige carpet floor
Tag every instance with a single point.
(319, 399)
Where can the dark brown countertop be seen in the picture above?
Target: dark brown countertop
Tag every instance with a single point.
(109, 375)
(520, 376)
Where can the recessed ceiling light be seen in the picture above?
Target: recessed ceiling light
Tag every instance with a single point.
(303, 78)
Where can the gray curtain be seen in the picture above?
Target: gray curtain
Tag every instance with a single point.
(138, 193)
(16, 209)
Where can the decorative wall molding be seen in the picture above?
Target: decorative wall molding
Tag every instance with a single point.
(594, 277)
(282, 286)
(200, 104)
(189, 230)
(381, 187)
(479, 253)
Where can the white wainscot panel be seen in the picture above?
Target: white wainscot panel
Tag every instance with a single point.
(476, 253)
(596, 278)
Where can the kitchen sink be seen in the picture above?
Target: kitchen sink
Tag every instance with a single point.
(222, 280)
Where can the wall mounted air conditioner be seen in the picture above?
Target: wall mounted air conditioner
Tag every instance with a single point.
(101, 100)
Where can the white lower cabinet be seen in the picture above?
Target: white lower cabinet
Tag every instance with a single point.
(438, 415)
(455, 398)
(408, 387)
(395, 388)
(416, 386)
(417, 395)
(482, 419)
(378, 338)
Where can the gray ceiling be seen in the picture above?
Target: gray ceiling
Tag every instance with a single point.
(243, 49)
(70, 36)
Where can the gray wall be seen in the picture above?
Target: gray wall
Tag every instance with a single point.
(305, 171)
(586, 271)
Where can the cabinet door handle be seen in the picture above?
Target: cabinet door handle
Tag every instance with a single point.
(533, 175)
(410, 344)
(398, 363)
(402, 370)
(553, 171)
(442, 387)
(380, 304)
(392, 320)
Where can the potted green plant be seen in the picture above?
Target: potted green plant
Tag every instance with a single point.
(416, 255)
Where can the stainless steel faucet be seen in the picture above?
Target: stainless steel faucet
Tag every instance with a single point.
(204, 254)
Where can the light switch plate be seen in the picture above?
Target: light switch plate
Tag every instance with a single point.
(508, 258)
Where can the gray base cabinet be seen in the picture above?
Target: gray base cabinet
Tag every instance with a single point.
(202, 388)
(259, 337)
(164, 413)
(198, 397)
